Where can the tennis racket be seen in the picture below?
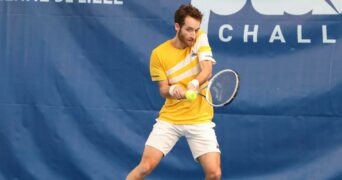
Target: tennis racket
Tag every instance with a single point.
(222, 88)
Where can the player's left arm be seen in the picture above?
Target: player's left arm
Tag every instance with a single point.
(206, 61)
(206, 71)
(203, 76)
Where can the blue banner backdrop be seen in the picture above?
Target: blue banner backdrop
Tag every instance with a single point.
(77, 102)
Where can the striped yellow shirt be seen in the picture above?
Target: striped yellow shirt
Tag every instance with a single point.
(180, 66)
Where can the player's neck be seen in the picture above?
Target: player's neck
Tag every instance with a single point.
(176, 43)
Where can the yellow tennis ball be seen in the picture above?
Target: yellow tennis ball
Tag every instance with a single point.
(190, 95)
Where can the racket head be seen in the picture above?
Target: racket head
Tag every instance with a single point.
(222, 88)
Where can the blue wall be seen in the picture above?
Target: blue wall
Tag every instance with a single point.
(77, 102)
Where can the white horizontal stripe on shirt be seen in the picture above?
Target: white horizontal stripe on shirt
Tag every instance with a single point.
(187, 60)
(188, 73)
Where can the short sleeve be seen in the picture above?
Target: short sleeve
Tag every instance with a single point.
(203, 49)
(157, 71)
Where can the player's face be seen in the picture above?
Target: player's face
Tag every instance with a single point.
(187, 33)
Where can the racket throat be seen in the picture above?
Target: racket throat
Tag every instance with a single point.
(201, 95)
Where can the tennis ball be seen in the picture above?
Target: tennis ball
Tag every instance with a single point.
(190, 95)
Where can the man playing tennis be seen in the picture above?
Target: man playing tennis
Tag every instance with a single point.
(180, 64)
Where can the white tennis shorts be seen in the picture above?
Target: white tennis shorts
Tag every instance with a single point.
(200, 137)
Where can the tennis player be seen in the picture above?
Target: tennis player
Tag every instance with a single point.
(180, 64)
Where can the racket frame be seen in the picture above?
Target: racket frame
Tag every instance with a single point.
(208, 86)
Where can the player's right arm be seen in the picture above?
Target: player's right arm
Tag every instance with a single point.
(158, 74)
(168, 91)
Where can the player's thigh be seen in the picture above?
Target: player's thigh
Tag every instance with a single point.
(151, 157)
(164, 136)
(211, 162)
(202, 139)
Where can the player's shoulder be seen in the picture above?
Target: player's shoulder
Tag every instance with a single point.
(201, 33)
(162, 47)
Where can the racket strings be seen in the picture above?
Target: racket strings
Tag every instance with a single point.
(222, 88)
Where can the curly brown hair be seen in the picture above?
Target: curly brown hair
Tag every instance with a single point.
(187, 10)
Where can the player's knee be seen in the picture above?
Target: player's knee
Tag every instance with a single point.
(214, 174)
(145, 169)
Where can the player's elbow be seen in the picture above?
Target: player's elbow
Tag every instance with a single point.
(163, 93)
(209, 75)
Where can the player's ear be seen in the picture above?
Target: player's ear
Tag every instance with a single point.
(177, 27)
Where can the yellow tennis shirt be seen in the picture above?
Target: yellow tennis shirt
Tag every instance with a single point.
(180, 66)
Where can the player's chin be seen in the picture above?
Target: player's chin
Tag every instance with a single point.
(190, 43)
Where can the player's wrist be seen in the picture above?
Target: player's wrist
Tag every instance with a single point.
(172, 89)
(193, 84)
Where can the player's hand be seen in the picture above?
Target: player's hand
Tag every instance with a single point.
(177, 92)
